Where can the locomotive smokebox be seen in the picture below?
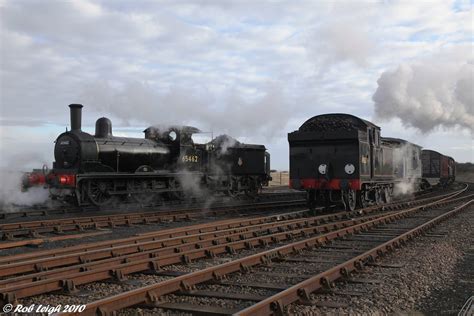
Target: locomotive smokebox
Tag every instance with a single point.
(103, 128)
(76, 117)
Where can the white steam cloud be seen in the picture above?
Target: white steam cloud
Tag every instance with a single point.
(427, 95)
(14, 161)
(225, 111)
(11, 196)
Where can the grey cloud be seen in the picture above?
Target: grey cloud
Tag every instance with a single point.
(213, 55)
(227, 112)
(344, 41)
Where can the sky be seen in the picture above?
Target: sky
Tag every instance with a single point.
(255, 70)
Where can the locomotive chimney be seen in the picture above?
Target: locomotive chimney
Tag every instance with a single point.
(76, 117)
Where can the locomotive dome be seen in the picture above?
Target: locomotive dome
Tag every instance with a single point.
(335, 121)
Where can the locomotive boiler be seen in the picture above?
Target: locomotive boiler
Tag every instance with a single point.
(103, 168)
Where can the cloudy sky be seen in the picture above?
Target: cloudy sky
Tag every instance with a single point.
(252, 69)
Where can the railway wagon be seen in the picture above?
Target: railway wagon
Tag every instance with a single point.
(437, 168)
(340, 157)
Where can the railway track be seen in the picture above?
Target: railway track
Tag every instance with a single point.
(33, 229)
(65, 269)
(10, 231)
(47, 211)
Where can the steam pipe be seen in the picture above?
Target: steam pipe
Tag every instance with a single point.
(76, 117)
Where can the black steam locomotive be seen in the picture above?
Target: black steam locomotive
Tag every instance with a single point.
(340, 157)
(101, 168)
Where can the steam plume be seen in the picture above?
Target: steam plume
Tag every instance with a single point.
(427, 95)
(11, 195)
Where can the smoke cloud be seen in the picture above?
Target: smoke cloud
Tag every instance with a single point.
(427, 95)
(11, 196)
(15, 159)
(226, 111)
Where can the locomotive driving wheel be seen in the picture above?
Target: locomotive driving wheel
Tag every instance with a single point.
(99, 192)
(176, 191)
(387, 196)
(232, 189)
(142, 196)
(363, 203)
(379, 196)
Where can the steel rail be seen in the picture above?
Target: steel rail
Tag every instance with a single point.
(89, 219)
(63, 209)
(193, 229)
(143, 247)
(154, 259)
(151, 294)
(10, 230)
(301, 291)
(162, 235)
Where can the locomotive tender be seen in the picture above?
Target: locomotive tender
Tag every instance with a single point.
(100, 168)
(340, 157)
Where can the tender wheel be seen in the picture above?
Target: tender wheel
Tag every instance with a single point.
(363, 203)
(387, 196)
(252, 191)
(378, 197)
(350, 200)
(99, 192)
(311, 200)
